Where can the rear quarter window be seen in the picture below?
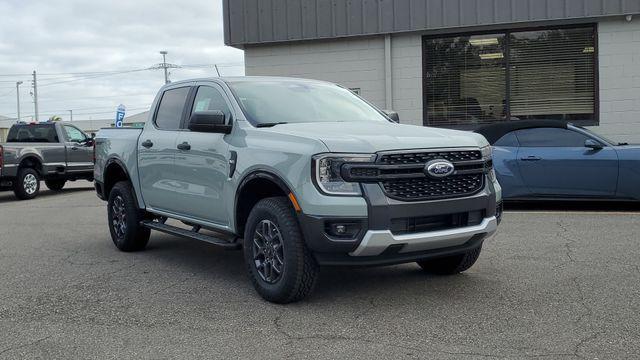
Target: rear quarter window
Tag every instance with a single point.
(171, 107)
(40, 133)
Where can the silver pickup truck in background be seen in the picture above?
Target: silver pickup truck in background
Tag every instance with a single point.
(55, 152)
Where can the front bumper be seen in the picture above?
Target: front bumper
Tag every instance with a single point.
(375, 242)
(378, 240)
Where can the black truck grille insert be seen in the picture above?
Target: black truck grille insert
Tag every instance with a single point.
(403, 175)
(425, 188)
(424, 157)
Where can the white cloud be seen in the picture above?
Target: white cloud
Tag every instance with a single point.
(79, 36)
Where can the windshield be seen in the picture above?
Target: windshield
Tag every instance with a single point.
(286, 101)
(598, 136)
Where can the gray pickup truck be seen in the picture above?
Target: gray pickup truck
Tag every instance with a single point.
(298, 174)
(55, 152)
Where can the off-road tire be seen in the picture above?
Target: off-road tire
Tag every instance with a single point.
(21, 190)
(299, 270)
(55, 185)
(133, 236)
(451, 265)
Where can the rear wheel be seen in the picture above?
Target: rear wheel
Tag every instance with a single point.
(124, 219)
(27, 184)
(280, 266)
(451, 265)
(55, 185)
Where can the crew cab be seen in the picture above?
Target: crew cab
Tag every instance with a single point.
(55, 152)
(298, 174)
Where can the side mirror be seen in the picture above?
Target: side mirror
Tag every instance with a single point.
(209, 121)
(392, 115)
(93, 135)
(89, 142)
(592, 144)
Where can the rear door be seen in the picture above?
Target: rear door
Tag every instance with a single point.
(79, 151)
(202, 166)
(554, 162)
(157, 149)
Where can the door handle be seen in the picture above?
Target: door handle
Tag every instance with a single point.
(184, 146)
(531, 158)
(147, 144)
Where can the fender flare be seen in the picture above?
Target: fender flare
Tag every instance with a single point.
(258, 174)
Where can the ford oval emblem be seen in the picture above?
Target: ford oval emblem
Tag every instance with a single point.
(439, 168)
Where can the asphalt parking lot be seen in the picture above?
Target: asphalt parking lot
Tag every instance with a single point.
(554, 283)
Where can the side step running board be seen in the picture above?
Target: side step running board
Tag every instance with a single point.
(189, 234)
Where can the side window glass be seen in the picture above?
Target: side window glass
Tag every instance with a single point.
(208, 99)
(509, 140)
(73, 134)
(550, 137)
(170, 110)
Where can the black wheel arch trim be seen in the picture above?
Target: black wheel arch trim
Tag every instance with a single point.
(120, 163)
(259, 174)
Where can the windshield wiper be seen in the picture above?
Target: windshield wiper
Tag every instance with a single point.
(623, 144)
(264, 125)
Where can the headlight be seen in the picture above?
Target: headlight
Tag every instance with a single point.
(328, 177)
(487, 156)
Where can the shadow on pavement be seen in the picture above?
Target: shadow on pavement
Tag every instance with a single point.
(8, 196)
(612, 206)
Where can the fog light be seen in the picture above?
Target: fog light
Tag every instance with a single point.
(342, 230)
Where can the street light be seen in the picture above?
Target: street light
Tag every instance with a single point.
(18, 97)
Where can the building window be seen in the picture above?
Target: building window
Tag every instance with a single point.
(478, 79)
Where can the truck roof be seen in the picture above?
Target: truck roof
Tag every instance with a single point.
(227, 79)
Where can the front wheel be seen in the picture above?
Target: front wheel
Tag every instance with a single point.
(27, 184)
(124, 219)
(451, 265)
(280, 266)
(55, 185)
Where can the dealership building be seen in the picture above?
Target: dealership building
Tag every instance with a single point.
(457, 63)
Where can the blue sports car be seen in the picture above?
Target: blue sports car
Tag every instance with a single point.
(554, 160)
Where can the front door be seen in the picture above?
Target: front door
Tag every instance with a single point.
(157, 150)
(555, 162)
(202, 166)
(79, 150)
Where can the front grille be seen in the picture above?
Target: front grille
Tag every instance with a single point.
(424, 157)
(402, 175)
(425, 188)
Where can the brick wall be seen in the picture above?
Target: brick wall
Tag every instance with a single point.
(353, 63)
(619, 58)
(406, 70)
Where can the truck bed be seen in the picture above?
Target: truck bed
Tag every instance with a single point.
(120, 144)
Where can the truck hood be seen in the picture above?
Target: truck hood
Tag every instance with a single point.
(360, 137)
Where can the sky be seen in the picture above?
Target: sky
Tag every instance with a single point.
(91, 56)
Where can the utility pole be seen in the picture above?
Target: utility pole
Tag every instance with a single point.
(35, 94)
(18, 97)
(70, 114)
(164, 65)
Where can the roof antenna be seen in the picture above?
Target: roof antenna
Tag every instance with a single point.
(218, 71)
